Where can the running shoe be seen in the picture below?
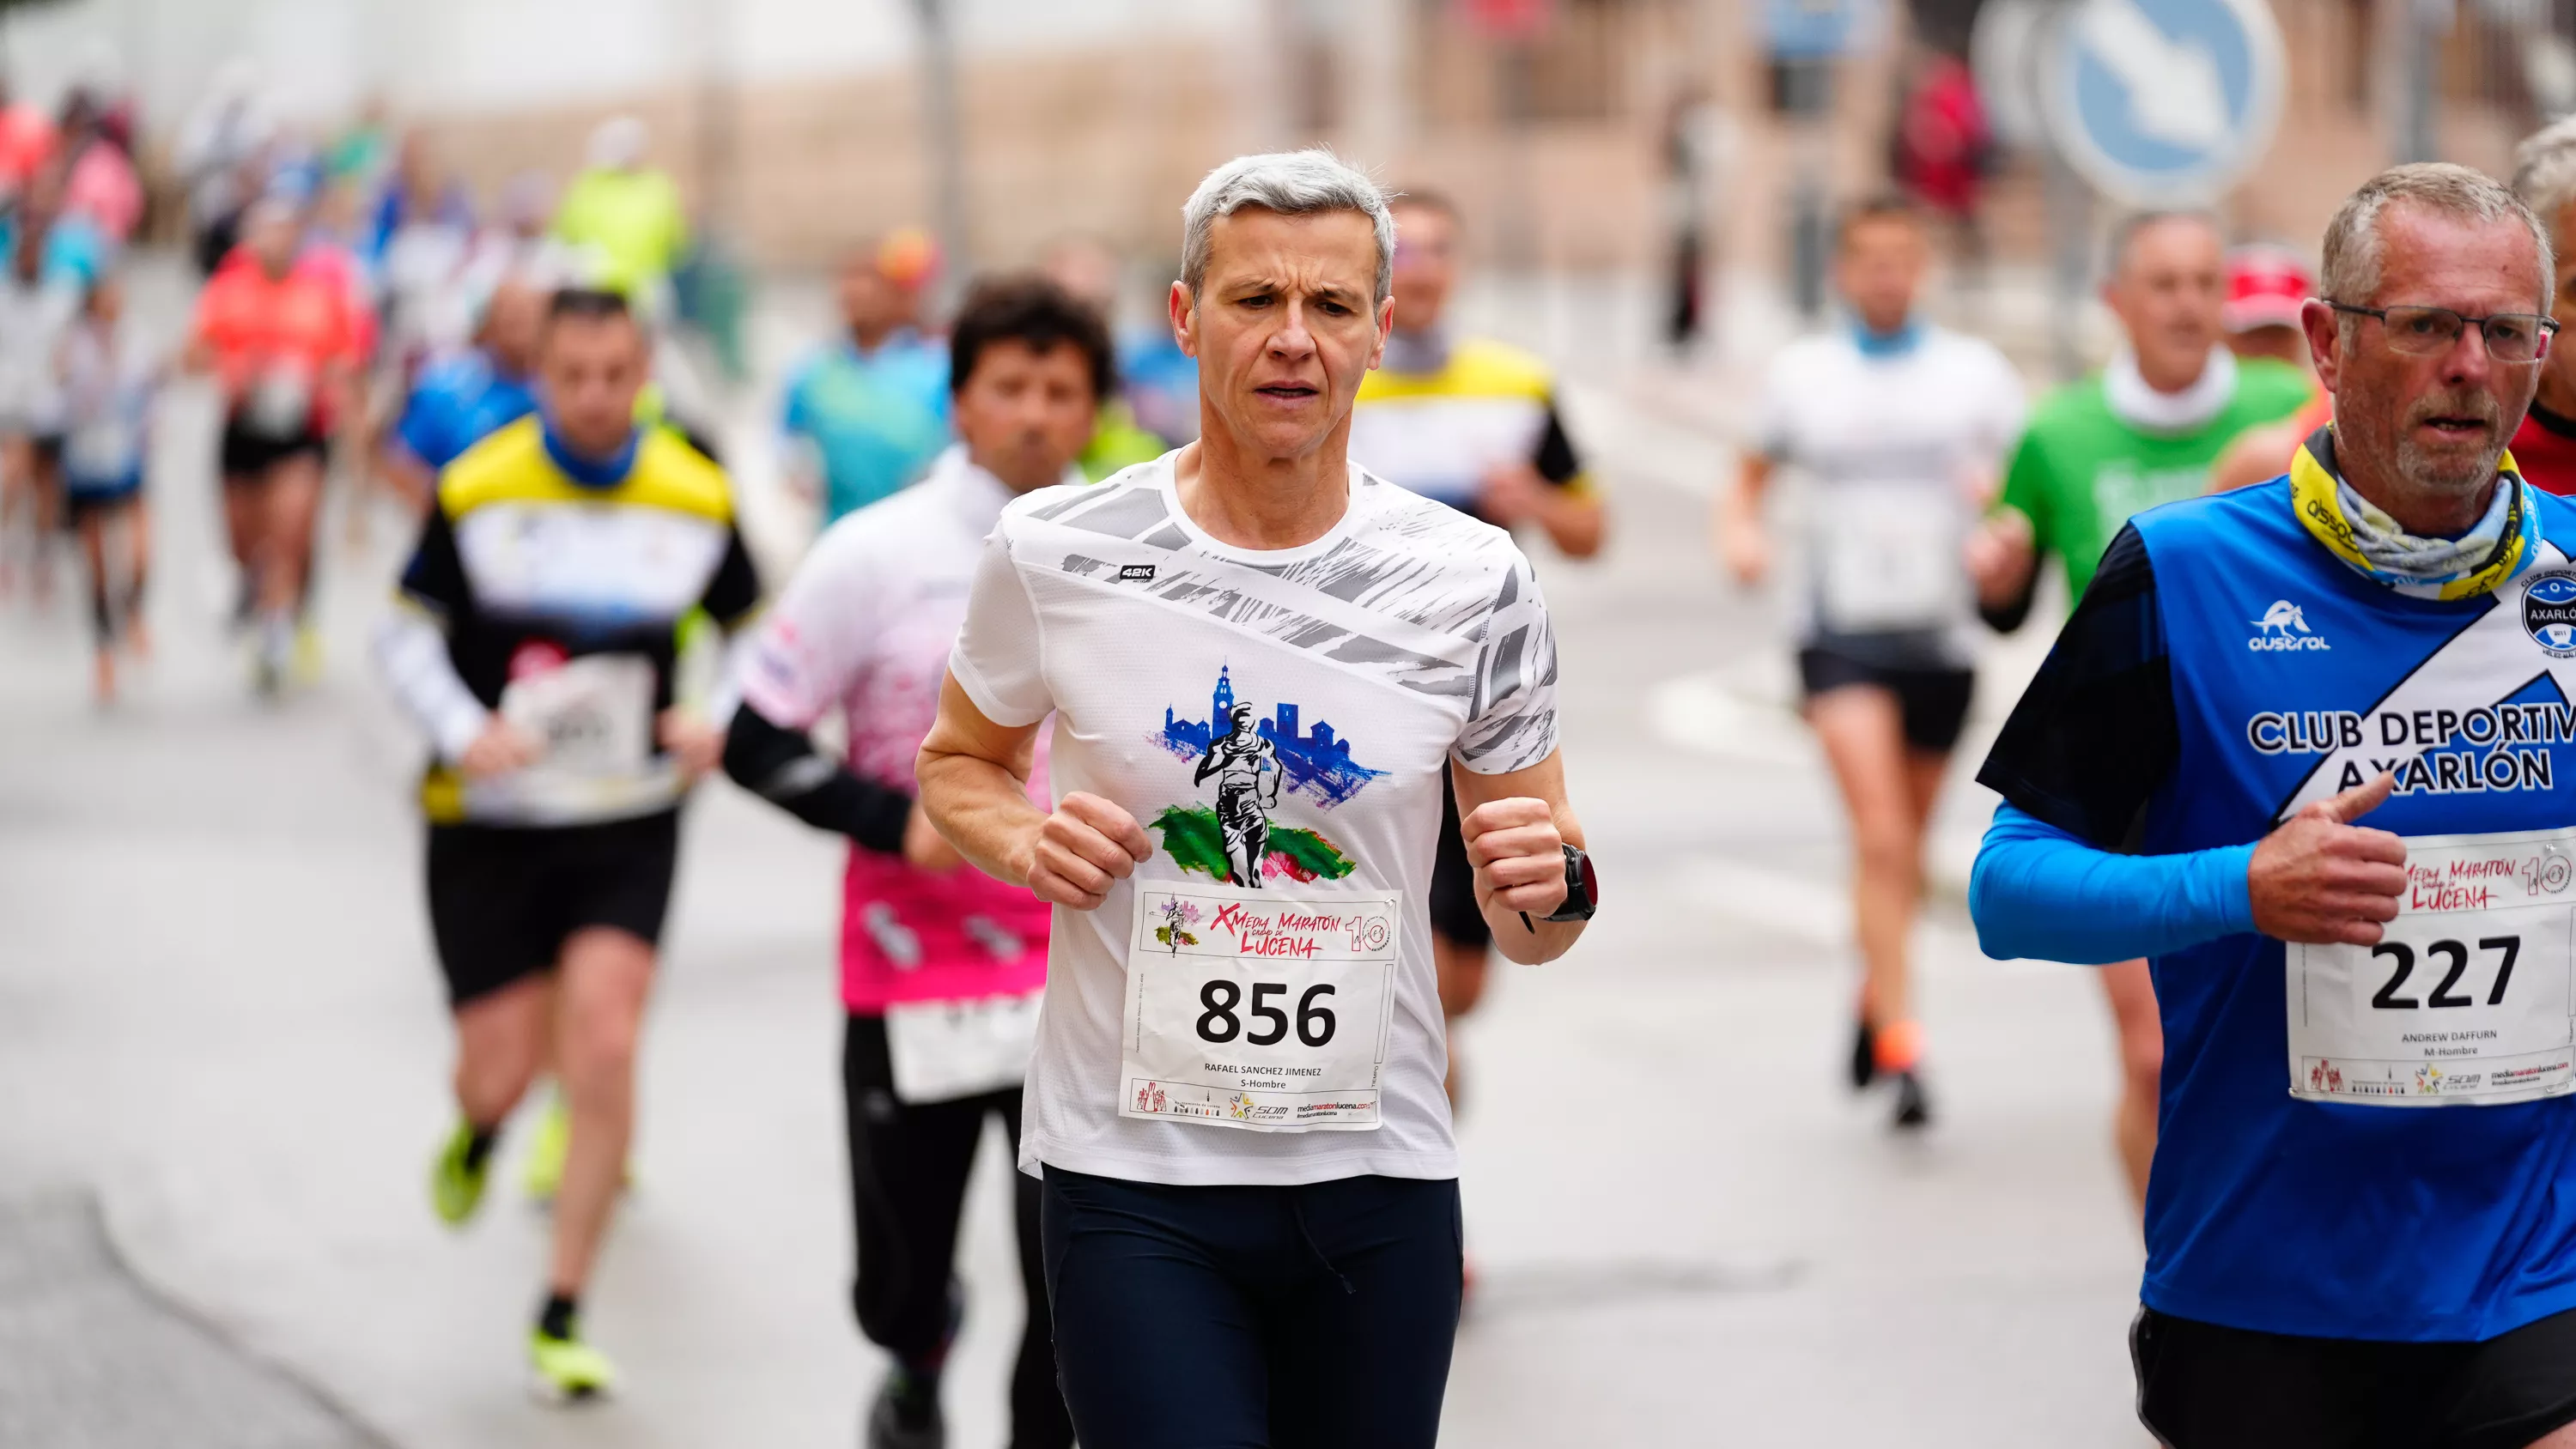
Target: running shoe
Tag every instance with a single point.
(455, 1181)
(1864, 1057)
(542, 1176)
(567, 1370)
(544, 1171)
(305, 667)
(1913, 1105)
(906, 1414)
(272, 658)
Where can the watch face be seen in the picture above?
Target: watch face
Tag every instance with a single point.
(1591, 882)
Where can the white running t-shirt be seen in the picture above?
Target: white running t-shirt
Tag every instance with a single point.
(1407, 636)
(1899, 451)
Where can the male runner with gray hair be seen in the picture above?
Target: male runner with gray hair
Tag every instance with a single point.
(1251, 1197)
(2379, 1253)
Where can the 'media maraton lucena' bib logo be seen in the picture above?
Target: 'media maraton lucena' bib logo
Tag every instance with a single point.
(1249, 764)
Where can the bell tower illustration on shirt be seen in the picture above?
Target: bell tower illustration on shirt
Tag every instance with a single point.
(1315, 757)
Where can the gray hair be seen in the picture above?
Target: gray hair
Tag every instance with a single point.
(2355, 250)
(2544, 169)
(1292, 183)
(2125, 233)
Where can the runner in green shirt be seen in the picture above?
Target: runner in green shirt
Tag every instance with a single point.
(2086, 463)
(2143, 432)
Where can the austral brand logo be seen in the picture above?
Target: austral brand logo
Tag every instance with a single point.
(2549, 612)
(1135, 573)
(2284, 626)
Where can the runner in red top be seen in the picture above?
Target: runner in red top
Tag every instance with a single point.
(282, 341)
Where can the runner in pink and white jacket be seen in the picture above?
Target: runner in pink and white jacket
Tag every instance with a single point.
(941, 966)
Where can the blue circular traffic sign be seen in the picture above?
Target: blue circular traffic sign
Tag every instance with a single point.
(2161, 102)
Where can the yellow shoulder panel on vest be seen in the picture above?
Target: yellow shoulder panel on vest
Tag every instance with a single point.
(1477, 368)
(511, 466)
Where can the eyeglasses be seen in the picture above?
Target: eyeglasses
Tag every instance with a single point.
(2510, 336)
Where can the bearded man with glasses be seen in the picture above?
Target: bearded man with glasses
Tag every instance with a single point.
(2384, 1252)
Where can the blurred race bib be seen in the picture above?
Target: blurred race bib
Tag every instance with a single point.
(943, 1050)
(594, 714)
(279, 403)
(1890, 559)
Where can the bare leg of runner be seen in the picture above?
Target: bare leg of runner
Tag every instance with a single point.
(244, 507)
(605, 977)
(17, 499)
(290, 500)
(102, 605)
(138, 568)
(1864, 739)
(2142, 1058)
(48, 480)
(500, 1046)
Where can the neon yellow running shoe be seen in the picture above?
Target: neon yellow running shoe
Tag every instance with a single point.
(455, 1180)
(546, 1148)
(567, 1370)
(542, 1176)
(306, 665)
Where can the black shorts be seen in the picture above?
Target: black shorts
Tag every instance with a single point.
(1934, 702)
(503, 899)
(2202, 1386)
(79, 504)
(1453, 881)
(247, 456)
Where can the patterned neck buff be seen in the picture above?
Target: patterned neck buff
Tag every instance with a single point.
(2356, 530)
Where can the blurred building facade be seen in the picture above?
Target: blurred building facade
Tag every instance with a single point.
(799, 125)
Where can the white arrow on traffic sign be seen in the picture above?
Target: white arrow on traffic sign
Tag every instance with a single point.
(2161, 102)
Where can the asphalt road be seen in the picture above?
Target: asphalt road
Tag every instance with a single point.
(219, 1014)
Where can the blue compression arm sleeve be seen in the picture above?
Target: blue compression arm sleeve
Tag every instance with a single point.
(2041, 893)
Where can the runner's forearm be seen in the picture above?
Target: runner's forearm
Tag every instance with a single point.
(411, 653)
(2038, 892)
(983, 810)
(782, 766)
(1573, 519)
(2007, 615)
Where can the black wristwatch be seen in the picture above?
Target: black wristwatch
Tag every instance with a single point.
(1582, 890)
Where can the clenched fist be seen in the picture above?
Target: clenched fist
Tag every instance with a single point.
(1518, 855)
(1084, 848)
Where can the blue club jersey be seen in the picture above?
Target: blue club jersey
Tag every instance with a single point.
(2224, 671)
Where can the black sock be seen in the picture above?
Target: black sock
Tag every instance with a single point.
(555, 1320)
(478, 1148)
(915, 1392)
